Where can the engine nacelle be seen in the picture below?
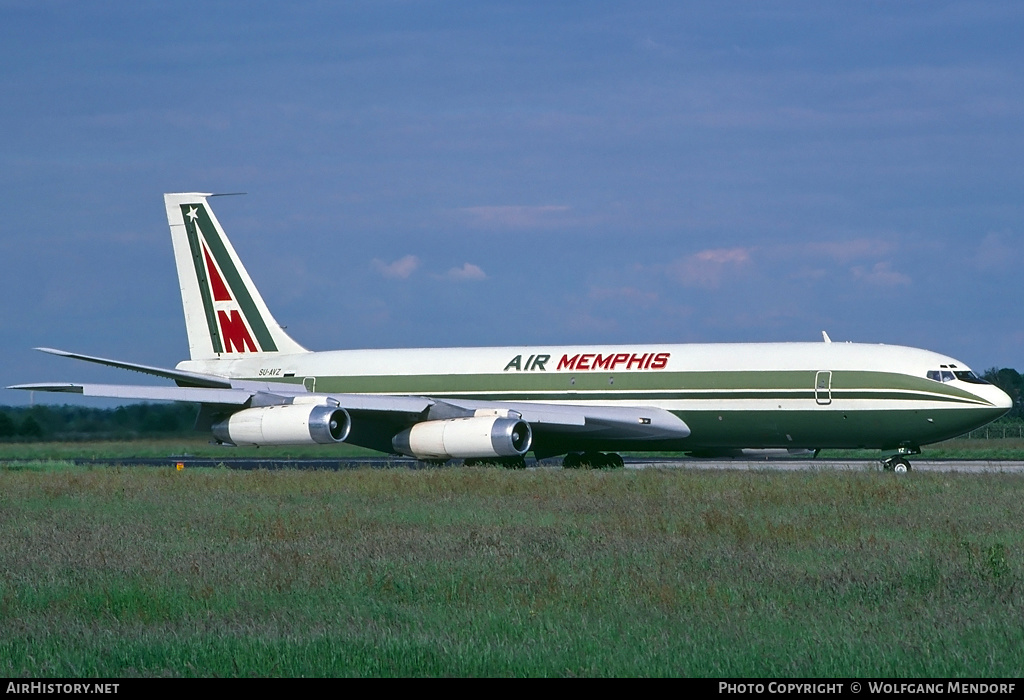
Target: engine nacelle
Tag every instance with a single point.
(479, 436)
(285, 425)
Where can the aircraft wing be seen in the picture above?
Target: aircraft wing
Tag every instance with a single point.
(229, 397)
(618, 422)
(242, 393)
(639, 422)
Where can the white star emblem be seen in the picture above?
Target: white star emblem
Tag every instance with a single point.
(193, 214)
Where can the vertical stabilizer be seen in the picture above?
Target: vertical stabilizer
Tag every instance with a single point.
(224, 313)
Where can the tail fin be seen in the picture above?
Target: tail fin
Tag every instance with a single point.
(224, 313)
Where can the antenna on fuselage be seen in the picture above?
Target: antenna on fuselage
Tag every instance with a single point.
(824, 336)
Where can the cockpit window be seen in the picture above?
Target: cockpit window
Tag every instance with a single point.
(971, 377)
(948, 374)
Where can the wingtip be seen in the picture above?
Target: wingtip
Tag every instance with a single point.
(53, 351)
(57, 387)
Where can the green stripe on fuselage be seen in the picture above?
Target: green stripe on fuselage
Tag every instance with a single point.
(639, 386)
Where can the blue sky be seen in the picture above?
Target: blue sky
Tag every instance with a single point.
(434, 174)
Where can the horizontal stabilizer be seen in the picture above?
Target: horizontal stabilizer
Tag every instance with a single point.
(188, 378)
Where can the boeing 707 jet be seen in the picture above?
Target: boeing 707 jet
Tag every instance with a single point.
(257, 386)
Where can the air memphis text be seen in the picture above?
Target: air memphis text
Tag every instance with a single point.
(590, 361)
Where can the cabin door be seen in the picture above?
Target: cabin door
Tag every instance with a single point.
(823, 388)
(310, 384)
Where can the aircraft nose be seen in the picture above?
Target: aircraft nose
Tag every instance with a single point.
(1001, 399)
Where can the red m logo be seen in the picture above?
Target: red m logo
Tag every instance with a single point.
(234, 333)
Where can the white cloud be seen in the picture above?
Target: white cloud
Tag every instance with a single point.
(468, 272)
(882, 275)
(709, 267)
(400, 269)
(996, 252)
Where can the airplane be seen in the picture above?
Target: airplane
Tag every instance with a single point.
(257, 386)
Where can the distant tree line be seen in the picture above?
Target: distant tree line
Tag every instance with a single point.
(45, 422)
(1012, 382)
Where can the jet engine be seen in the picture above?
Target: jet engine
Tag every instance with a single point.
(478, 436)
(285, 425)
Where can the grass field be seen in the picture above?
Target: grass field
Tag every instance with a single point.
(474, 571)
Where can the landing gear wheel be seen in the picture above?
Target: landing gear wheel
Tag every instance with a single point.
(898, 465)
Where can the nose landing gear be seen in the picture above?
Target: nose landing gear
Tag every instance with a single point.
(899, 465)
(896, 460)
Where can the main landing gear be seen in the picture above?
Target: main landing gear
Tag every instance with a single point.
(592, 460)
